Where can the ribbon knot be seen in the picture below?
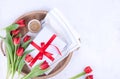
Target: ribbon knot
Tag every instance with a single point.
(42, 50)
(42, 44)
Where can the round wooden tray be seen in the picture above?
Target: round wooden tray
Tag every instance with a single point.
(39, 15)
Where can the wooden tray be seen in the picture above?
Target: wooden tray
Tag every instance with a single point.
(39, 15)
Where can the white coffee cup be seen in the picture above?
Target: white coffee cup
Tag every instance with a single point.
(34, 25)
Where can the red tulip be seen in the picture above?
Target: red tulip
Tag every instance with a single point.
(15, 32)
(26, 38)
(28, 58)
(21, 23)
(20, 51)
(89, 77)
(87, 69)
(16, 40)
(44, 65)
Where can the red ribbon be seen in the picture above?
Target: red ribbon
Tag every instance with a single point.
(42, 51)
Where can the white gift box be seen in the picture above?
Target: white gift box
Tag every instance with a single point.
(43, 36)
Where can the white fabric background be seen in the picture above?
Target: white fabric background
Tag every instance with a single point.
(98, 23)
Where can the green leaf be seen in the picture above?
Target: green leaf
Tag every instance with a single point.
(21, 62)
(9, 40)
(10, 47)
(21, 65)
(12, 27)
(26, 52)
(9, 55)
(9, 50)
(24, 45)
(8, 61)
(35, 72)
(37, 67)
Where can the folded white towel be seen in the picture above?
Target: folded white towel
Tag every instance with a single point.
(56, 21)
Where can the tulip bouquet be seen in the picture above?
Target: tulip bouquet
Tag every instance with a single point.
(16, 54)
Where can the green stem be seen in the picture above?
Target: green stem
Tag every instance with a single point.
(8, 65)
(12, 75)
(27, 76)
(13, 71)
(13, 64)
(15, 53)
(17, 65)
(8, 74)
(17, 62)
(78, 75)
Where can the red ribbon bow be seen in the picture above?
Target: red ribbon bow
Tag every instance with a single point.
(42, 50)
